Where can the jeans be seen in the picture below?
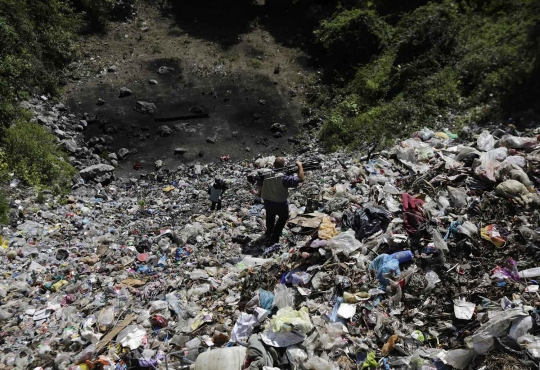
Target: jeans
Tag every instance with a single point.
(214, 205)
(273, 228)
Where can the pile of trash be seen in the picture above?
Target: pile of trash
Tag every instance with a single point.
(423, 256)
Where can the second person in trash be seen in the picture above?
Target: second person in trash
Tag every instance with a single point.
(274, 190)
(215, 192)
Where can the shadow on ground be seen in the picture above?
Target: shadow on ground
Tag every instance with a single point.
(241, 109)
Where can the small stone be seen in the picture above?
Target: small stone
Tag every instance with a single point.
(278, 134)
(180, 151)
(248, 149)
(61, 107)
(197, 110)
(78, 128)
(158, 164)
(211, 140)
(83, 123)
(100, 102)
(113, 156)
(124, 91)
(112, 68)
(278, 127)
(164, 131)
(164, 70)
(152, 82)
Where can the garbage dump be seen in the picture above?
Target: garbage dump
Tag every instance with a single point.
(425, 256)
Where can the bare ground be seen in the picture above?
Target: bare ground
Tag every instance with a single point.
(243, 78)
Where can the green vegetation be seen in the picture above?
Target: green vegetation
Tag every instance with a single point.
(4, 209)
(38, 38)
(32, 154)
(442, 63)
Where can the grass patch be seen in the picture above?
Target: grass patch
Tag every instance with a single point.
(31, 152)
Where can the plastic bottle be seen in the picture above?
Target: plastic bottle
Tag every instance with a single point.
(403, 256)
(530, 273)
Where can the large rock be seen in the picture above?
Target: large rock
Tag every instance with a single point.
(164, 131)
(122, 153)
(124, 91)
(145, 107)
(96, 171)
(70, 145)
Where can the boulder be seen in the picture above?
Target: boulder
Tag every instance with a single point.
(164, 131)
(145, 107)
(122, 153)
(97, 170)
(69, 145)
(124, 91)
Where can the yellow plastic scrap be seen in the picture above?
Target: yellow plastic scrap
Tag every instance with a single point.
(327, 230)
(58, 285)
(442, 135)
(288, 318)
(4, 242)
(168, 188)
(370, 361)
(491, 233)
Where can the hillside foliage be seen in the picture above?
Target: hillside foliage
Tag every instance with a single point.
(444, 63)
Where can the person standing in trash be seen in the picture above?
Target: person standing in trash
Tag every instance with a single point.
(274, 190)
(215, 192)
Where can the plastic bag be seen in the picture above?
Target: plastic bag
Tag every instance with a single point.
(516, 142)
(468, 228)
(287, 319)
(327, 230)
(266, 299)
(432, 279)
(425, 134)
(513, 189)
(515, 160)
(485, 167)
(458, 197)
(499, 154)
(384, 264)
(106, 318)
(317, 363)
(283, 296)
(345, 242)
(485, 141)
(353, 173)
(439, 242)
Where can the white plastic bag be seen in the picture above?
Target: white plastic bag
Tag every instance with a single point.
(345, 242)
(485, 141)
(283, 296)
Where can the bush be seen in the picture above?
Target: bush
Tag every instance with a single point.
(445, 63)
(351, 37)
(36, 40)
(32, 153)
(4, 209)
